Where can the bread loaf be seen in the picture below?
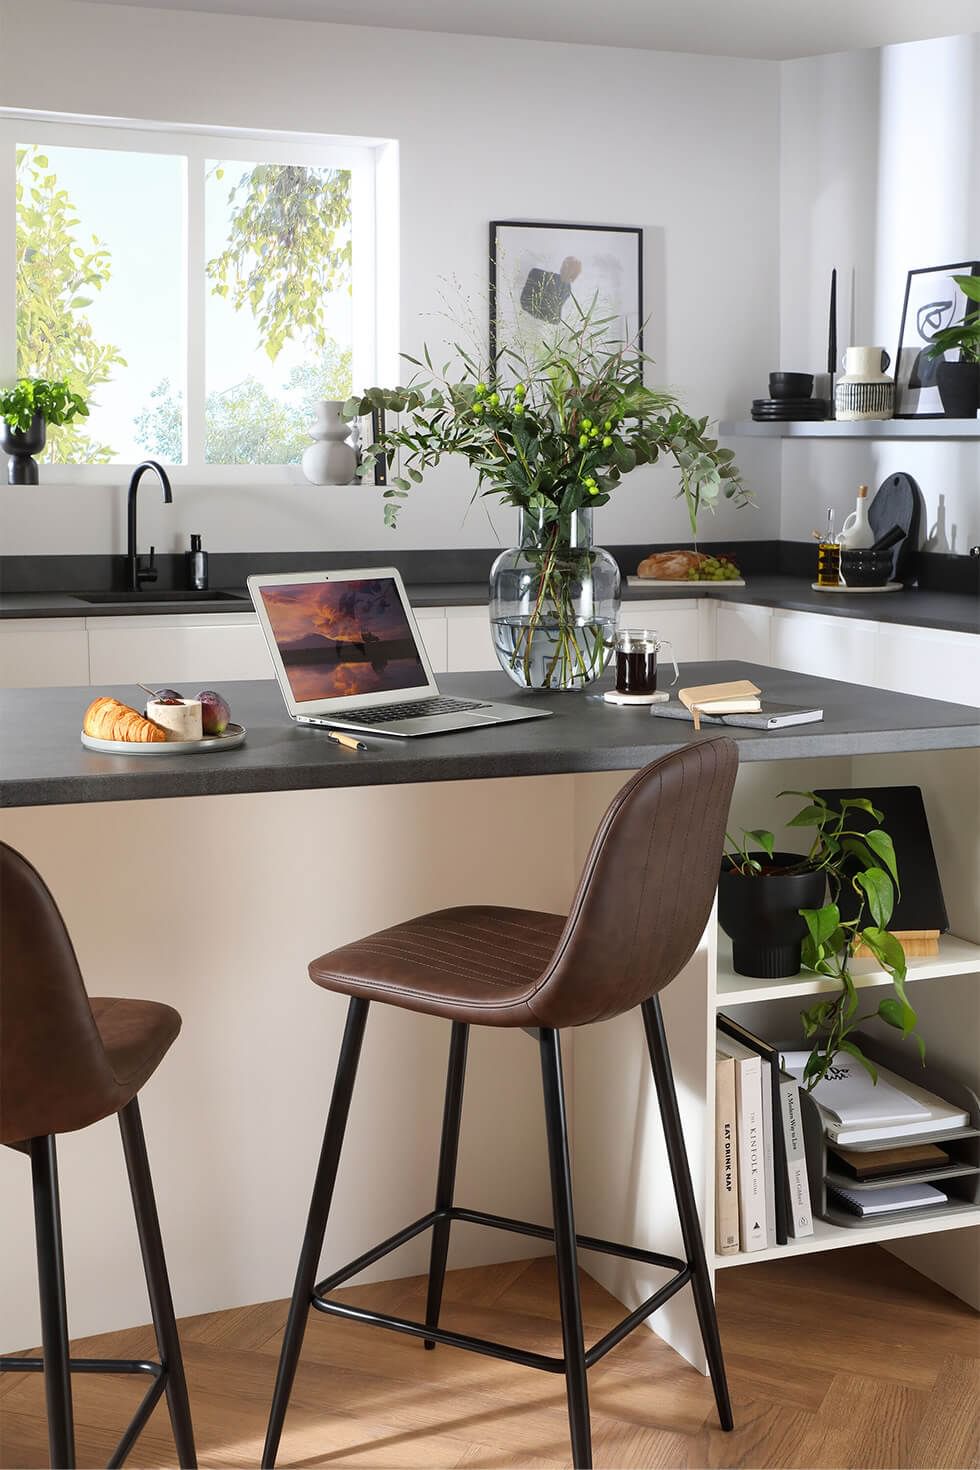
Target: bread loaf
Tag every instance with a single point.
(669, 566)
(108, 719)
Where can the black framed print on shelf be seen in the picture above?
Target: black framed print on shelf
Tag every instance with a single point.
(544, 276)
(933, 301)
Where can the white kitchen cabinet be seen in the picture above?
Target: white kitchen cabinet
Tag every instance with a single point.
(743, 632)
(432, 626)
(469, 645)
(40, 653)
(830, 647)
(929, 661)
(200, 649)
(675, 620)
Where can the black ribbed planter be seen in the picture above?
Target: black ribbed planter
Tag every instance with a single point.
(21, 445)
(959, 388)
(760, 914)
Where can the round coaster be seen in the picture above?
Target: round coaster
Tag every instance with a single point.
(613, 696)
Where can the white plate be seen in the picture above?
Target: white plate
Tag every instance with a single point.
(843, 587)
(684, 582)
(234, 735)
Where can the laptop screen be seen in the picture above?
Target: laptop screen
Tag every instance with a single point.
(342, 638)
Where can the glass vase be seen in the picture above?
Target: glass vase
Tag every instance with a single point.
(554, 601)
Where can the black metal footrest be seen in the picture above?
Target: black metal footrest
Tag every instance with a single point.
(682, 1276)
(147, 1404)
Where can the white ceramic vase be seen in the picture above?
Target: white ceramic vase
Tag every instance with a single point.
(331, 459)
(864, 391)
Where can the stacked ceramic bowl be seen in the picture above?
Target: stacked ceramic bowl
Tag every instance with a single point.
(789, 399)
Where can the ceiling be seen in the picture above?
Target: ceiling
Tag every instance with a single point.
(771, 29)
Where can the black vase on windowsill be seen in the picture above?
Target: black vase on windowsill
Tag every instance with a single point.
(959, 388)
(21, 445)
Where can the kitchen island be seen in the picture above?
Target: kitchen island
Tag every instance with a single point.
(210, 882)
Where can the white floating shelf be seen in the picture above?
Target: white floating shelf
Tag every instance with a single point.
(955, 957)
(872, 429)
(827, 1237)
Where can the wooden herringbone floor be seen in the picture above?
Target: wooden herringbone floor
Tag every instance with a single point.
(840, 1360)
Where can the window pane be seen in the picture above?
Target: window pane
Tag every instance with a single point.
(100, 272)
(278, 316)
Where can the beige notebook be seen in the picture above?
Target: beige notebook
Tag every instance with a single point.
(738, 696)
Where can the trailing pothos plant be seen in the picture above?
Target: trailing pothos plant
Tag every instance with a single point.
(862, 861)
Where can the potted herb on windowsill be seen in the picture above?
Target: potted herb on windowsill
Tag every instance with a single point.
(756, 881)
(27, 409)
(959, 382)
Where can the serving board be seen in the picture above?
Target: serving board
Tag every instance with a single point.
(234, 736)
(898, 502)
(684, 582)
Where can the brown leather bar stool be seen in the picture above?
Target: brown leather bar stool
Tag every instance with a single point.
(65, 1062)
(641, 906)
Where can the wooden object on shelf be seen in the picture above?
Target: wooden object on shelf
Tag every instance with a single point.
(917, 944)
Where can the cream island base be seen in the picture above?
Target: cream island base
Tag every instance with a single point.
(211, 882)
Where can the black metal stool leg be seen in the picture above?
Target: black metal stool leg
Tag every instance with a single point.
(316, 1224)
(576, 1384)
(446, 1183)
(680, 1171)
(157, 1282)
(54, 1309)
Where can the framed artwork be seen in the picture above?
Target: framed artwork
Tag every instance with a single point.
(932, 301)
(542, 275)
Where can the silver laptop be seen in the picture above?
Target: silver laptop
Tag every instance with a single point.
(347, 653)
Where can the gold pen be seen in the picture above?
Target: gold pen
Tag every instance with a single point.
(350, 742)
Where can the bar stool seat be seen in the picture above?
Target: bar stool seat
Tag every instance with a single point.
(640, 909)
(479, 964)
(68, 1060)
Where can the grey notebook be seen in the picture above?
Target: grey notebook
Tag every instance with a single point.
(772, 716)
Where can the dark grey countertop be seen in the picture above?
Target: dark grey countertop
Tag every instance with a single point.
(953, 611)
(43, 763)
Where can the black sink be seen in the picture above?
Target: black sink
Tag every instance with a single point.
(142, 599)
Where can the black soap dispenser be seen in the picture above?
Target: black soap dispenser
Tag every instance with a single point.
(197, 566)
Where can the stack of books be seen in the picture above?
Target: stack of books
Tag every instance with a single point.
(881, 1141)
(762, 1191)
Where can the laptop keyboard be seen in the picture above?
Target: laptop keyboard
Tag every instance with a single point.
(383, 714)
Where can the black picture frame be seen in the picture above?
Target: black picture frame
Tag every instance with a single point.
(633, 308)
(953, 304)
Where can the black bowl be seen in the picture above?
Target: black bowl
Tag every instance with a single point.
(790, 385)
(866, 568)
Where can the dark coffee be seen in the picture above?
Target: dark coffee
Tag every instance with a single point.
(636, 671)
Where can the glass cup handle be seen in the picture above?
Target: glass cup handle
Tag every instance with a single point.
(666, 643)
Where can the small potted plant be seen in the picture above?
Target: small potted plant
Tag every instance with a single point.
(757, 880)
(847, 859)
(26, 409)
(959, 382)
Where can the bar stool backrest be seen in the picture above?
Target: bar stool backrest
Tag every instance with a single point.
(646, 889)
(54, 1073)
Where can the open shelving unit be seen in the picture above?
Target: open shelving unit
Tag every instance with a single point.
(923, 428)
(827, 1237)
(955, 957)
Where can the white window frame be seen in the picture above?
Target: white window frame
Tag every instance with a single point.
(373, 168)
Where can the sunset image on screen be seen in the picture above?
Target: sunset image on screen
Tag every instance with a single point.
(342, 638)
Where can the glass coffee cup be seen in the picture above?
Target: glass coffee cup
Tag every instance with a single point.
(636, 651)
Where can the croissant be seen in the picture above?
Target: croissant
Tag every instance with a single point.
(108, 719)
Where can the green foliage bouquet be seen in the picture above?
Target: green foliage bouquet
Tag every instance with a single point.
(964, 335)
(576, 419)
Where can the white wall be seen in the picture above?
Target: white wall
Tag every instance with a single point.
(685, 146)
(879, 174)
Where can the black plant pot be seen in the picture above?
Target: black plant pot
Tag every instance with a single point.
(760, 914)
(959, 388)
(21, 445)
